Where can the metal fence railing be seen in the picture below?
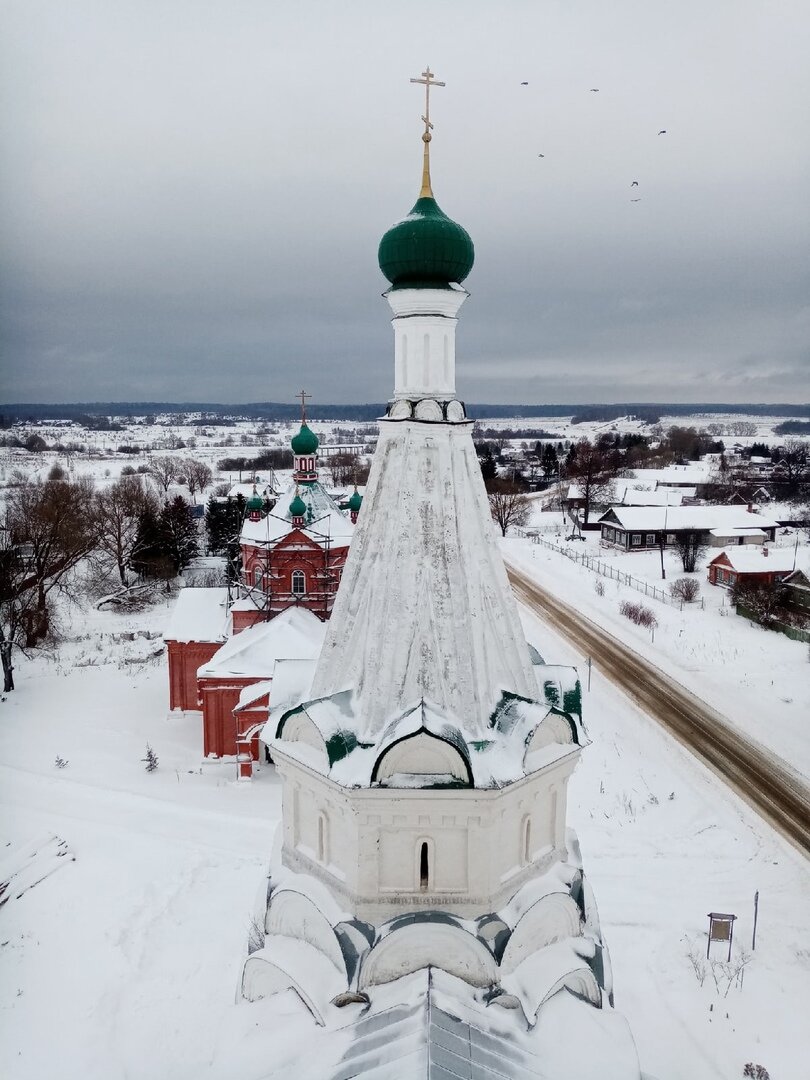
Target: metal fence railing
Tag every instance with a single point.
(598, 566)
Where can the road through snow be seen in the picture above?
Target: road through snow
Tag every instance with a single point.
(775, 791)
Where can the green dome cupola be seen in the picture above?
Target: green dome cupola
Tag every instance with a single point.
(355, 501)
(298, 508)
(305, 442)
(427, 249)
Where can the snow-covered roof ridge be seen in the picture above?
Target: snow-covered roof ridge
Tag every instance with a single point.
(292, 634)
(753, 559)
(199, 615)
(689, 517)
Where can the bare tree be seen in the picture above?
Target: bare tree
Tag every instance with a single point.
(163, 471)
(120, 508)
(690, 546)
(508, 505)
(198, 475)
(17, 603)
(593, 469)
(794, 467)
(348, 467)
(57, 522)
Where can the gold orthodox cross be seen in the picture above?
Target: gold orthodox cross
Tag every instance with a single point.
(303, 395)
(427, 81)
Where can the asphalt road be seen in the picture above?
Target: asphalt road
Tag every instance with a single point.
(763, 780)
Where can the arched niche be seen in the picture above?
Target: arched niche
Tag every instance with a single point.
(554, 917)
(424, 943)
(294, 915)
(422, 754)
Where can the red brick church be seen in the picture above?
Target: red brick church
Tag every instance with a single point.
(222, 651)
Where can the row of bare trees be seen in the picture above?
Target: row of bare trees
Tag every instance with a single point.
(50, 527)
(165, 471)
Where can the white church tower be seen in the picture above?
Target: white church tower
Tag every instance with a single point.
(425, 756)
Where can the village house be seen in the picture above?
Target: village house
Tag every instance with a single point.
(636, 528)
(759, 566)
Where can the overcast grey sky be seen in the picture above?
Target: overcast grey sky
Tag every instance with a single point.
(193, 192)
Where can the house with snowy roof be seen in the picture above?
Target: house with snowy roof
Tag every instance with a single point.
(425, 897)
(639, 528)
(755, 565)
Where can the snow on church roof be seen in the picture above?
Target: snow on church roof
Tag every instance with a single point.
(324, 519)
(199, 615)
(296, 632)
(498, 759)
(424, 608)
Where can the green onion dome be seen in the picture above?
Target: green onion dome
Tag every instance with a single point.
(426, 250)
(305, 442)
(355, 501)
(255, 502)
(298, 508)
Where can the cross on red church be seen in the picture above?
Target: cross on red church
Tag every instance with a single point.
(303, 395)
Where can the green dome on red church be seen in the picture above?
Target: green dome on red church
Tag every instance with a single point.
(355, 501)
(298, 508)
(255, 502)
(305, 442)
(427, 249)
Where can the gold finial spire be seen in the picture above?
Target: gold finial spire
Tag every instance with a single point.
(427, 81)
(303, 395)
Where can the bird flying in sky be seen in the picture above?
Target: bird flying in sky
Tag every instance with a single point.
(634, 184)
(541, 155)
(524, 84)
(594, 90)
(635, 200)
(663, 131)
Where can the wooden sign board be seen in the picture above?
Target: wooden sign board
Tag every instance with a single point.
(721, 928)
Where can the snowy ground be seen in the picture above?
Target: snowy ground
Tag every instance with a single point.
(760, 680)
(124, 963)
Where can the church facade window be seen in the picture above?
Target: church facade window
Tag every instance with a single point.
(299, 583)
(323, 838)
(258, 576)
(424, 866)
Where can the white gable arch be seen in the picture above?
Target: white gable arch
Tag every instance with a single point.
(422, 754)
(294, 915)
(554, 917)
(299, 727)
(423, 944)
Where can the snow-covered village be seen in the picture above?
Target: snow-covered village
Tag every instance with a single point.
(366, 712)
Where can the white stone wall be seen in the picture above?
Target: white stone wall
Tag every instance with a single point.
(365, 844)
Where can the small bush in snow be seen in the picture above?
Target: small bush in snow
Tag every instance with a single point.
(686, 589)
(255, 936)
(759, 1072)
(599, 587)
(60, 762)
(639, 614)
(151, 759)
